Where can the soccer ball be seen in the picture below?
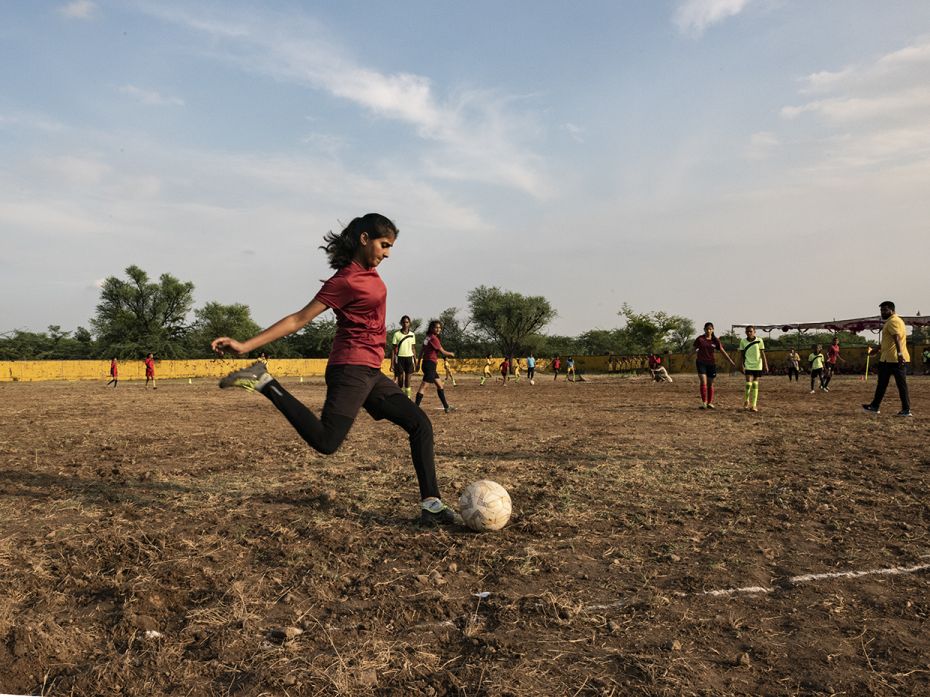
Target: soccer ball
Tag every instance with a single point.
(485, 505)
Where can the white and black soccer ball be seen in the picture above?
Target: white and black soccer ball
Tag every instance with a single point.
(485, 505)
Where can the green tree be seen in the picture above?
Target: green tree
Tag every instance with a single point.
(138, 316)
(507, 319)
(313, 341)
(215, 319)
(656, 331)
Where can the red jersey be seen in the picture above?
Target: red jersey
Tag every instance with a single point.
(149, 367)
(654, 362)
(505, 367)
(705, 349)
(556, 364)
(358, 296)
(833, 352)
(431, 346)
(113, 369)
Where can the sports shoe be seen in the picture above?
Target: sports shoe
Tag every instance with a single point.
(825, 389)
(703, 405)
(710, 406)
(252, 378)
(904, 413)
(449, 409)
(869, 408)
(434, 512)
(813, 391)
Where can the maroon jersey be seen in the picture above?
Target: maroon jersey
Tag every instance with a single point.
(705, 349)
(149, 367)
(431, 346)
(358, 296)
(833, 352)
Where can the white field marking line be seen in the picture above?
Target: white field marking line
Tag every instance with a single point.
(793, 580)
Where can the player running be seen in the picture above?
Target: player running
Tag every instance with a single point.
(114, 373)
(705, 346)
(815, 362)
(429, 358)
(486, 375)
(354, 379)
(404, 354)
(531, 368)
(754, 363)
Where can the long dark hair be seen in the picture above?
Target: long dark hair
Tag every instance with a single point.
(432, 326)
(711, 325)
(341, 248)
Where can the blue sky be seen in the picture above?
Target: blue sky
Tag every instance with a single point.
(726, 160)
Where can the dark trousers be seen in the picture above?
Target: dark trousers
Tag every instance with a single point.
(795, 372)
(348, 389)
(885, 371)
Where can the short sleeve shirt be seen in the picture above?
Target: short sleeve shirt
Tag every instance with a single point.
(705, 349)
(530, 362)
(752, 353)
(431, 346)
(833, 352)
(150, 367)
(816, 361)
(894, 326)
(404, 343)
(358, 296)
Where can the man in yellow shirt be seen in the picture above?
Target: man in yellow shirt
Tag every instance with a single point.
(893, 360)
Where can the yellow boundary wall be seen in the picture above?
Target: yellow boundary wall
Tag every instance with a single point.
(32, 371)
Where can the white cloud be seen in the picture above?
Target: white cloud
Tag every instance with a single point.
(150, 97)
(79, 9)
(473, 135)
(694, 16)
(576, 132)
(762, 145)
(873, 115)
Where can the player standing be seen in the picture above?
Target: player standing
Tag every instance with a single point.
(531, 368)
(404, 355)
(114, 373)
(150, 371)
(556, 366)
(752, 357)
(354, 379)
(705, 347)
(793, 361)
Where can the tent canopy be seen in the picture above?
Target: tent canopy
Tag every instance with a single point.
(859, 324)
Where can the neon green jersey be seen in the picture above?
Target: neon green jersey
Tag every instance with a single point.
(816, 360)
(752, 353)
(404, 343)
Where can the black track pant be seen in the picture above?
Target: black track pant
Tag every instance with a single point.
(885, 371)
(348, 389)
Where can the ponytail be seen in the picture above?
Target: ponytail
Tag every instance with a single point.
(341, 248)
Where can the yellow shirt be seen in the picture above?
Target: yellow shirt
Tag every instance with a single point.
(894, 325)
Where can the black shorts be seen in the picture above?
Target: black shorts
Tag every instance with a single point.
(429, 371)
(708, 369)
(828, 366)
(404, 364)
(350, 387)
(754, 373)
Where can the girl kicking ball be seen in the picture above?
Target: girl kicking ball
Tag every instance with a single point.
(354, 379)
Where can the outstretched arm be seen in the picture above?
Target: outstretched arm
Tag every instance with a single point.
(283, 327)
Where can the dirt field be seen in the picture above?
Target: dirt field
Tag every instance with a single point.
(185, 541)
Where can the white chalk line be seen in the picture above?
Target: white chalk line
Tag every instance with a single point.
(792, 581)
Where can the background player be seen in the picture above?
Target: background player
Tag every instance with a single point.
(404, 354)
(429, 357)
(754, 362)
(705, 347)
